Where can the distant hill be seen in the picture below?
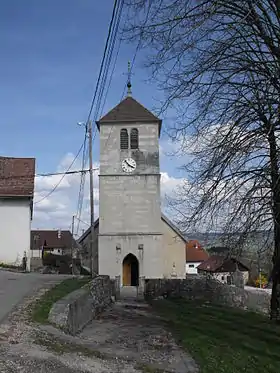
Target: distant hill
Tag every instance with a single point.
(253, 242)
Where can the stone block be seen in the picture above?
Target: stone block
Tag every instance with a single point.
(209, 290)
(73, 312)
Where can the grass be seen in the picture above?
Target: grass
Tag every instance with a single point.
(223, 340)
(10, 266)
(42, 307)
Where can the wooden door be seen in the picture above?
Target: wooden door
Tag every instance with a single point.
(126, 273)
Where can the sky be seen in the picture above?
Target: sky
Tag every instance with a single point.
(50, 58)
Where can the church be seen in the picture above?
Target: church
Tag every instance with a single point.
(133, 241)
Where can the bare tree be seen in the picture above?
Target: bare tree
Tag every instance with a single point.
(218, 63)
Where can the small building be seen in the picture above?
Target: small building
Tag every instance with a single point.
(223, 268)
(16, 208)
(195, 255)
(129, 265)
(58, 242)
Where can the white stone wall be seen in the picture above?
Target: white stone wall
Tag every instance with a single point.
(129, 204)
(174, 253)
(150, 258)
(222, 276)
(191, 268)
(15, 226)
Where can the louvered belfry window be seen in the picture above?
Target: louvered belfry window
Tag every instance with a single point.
(134, 141)
(124, 139)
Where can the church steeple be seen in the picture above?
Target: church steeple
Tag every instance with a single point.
(129, 92)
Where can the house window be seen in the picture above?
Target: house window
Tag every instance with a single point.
(134, 140)
(191, 265)
(124, 139)
(223, 278)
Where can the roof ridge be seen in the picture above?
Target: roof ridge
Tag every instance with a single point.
(129, 109)
(139, 103)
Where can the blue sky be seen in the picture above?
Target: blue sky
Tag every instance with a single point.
(50, 56)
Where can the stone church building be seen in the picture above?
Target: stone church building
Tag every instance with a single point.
(133, 241)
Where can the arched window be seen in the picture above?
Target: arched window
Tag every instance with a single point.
(134, 140)
(124, 139)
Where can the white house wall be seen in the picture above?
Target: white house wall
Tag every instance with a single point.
(222, 276)
(174, 253)
(151, 262)
(191, 268)
(15, 225)
(161, 256)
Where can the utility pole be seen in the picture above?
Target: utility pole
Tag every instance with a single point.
(89, 130)
(72, 243)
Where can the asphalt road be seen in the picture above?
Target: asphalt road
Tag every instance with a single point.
(15, 286)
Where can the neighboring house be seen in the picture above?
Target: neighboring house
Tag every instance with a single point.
(59, 242)
(195, 255)
(223, 268)
(16, 207)
(173, 246)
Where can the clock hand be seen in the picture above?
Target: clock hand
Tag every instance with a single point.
(129, 164)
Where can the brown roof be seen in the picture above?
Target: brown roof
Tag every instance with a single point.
(17, 176)
(51, 238)
(195, 252)
(129, 110)
(218, 263)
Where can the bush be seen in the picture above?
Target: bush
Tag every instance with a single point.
(9, 266)
(261, 280)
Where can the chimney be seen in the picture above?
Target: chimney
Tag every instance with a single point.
(59, 234)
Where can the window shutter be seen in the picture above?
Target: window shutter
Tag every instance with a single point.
(134, 140)
(124, 139)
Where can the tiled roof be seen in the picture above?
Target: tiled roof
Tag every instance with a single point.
(129, 110)
(51, 238)
(17, 176)
(195, 252)
(218, 263)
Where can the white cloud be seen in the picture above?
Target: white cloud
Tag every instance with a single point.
(169, 184)
(54, 209)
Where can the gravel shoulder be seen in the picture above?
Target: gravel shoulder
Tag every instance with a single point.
(127, 338)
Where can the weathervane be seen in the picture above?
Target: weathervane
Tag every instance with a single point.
(129, 92)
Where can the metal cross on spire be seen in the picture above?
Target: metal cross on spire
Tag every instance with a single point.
(129, 92)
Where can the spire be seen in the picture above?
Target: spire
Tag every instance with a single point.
(128, 79)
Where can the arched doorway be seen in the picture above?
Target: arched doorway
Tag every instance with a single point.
(130, 270)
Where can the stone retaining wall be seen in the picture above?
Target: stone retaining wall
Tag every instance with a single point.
(203, 288)
(35, 263)
(73, 312)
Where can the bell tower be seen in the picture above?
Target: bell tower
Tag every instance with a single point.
(130, 233)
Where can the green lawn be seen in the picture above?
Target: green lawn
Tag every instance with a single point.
(42, 307)
(223, 340)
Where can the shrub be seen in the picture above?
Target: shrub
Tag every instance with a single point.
(261, 280)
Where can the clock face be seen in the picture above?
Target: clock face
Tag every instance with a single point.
(128, 165)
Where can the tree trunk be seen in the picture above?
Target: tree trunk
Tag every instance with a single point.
(275, 186)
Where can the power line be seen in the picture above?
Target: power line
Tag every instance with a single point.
(131, 67)
(109, 56)
(101, 82)
(111, 76)
(138, 46)
(82, 182)
(47, 174)
(63, 176)
(103, 59)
